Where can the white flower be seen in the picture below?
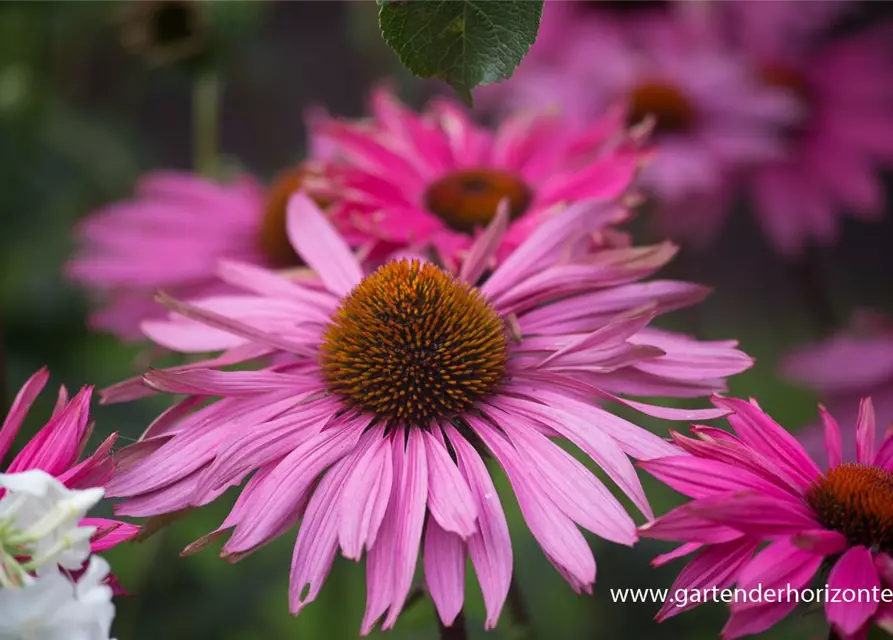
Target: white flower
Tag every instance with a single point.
(39, 522)
(54, 607)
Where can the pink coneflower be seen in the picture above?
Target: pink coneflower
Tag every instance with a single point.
(55, 449)
(711, 116)
(846, 90)
(171, 236)
(400, 384)
(433, 180)
(758, 486)
(855, 363)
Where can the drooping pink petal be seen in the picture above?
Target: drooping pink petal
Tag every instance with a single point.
(293, 476)
(449, 499)
(444, 559)
(160, 501)
(555, 532)
(269, 440)
(490, 548)
(241, 543)
(593, 441)
(365, 495)
(854, 570)
(379, 565)
(409, 499)
(317, 540)
(197, 445)
(636, 442)
(135, 388)
(392, 560)
(572, 487)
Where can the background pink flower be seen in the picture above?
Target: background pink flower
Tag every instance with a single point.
(845, 88)
(171, 236)
(757, 485)
(433, 180)
(712, 117)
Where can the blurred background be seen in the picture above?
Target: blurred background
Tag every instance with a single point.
(92, 94)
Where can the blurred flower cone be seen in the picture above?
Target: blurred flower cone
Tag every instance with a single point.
(168, 32)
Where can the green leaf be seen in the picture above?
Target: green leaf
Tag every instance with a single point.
(464, 42)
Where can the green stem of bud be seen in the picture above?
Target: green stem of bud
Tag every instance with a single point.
(206, 93)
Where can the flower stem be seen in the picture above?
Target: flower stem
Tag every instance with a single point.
(206, 123)
(455, 631)
(516, 604)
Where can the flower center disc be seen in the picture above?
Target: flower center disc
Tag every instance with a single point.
(274, 242)
(412, 344)
(671, 108)
(466, 200)
(857, 501)
(174, 21)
